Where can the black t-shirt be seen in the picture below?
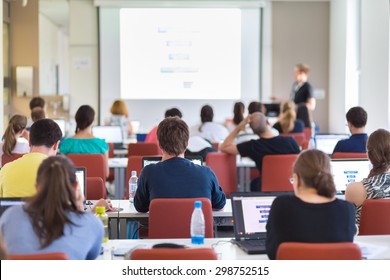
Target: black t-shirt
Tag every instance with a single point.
(302, 94)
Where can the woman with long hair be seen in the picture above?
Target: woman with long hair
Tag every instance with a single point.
(288, 122)
(53, 220)
(313, 214)
(377, 183)
(120, 116)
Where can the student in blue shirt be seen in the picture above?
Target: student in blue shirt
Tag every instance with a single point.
(357, 120)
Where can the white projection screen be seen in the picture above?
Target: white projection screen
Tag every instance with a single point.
(180, 53)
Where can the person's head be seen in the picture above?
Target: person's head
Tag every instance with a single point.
(357, 117)
(37, 102)
(301, 72)
(173, 135)
(287, 116)
(304, 114)
(378, 151)
(254, 106)
(258, 123)
(206, 114)
(173, 112)
(238, 112)
(46, 133)
(312, 170)
(119, 107)
(57, 194)
(85, 116)
(15, 128)
(37, 113)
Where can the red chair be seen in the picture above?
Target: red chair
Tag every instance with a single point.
(95, 164)
(300, 138)
(143, 149)
(111, 175)
(224, 167)
(375, 217)
(8, 158)
(174, 254)
(318, 251)
(39, 256)
(349, 155)
(171, 217)
(276, 172)
(95, 188)
(307, 131)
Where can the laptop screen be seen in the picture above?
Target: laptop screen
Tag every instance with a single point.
(112, 134)
(62, 124)
(153, 160)
(6, 202)
(327, 142)
(81, 179)
(345, 171)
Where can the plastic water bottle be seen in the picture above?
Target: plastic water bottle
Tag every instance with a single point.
(132, 185)
(102, 215)
(197, 224)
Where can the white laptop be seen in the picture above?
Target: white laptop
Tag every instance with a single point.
(345, 171)
(62, 124)
(327, 142)
(112, 134)
(81, 177)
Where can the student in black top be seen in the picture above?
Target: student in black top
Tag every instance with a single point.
(313, 214)
(268, 144)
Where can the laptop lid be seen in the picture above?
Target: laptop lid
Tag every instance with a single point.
(81, 176)
(112, 134)
(153, 160)
(6, 202)
(250, 213)
(345, 171)
(327, 142)
(62, 124)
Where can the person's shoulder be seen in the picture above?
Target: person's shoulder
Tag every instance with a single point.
(344, 204)
(14, 213)
(284, 200)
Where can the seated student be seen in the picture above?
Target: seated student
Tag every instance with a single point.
(288, 123)
(313, 214)
(53, 220)
(12, 142)
(377, 183)
(238, 116)
(120, 116)
(357, 120)
(268, 144)
(175, 176)
(83, 142)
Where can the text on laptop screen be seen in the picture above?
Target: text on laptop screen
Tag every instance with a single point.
(112, 134)
(327, 142)
(345, 171)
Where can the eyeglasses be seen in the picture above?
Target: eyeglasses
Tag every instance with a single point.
(292, 180)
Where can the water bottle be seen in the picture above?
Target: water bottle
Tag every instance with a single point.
(102, 215)
(197, 224)
(132, 185)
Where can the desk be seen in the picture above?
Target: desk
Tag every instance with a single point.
(378, 245)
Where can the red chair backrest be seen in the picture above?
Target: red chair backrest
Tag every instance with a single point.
(318, 251)
(375, 217)
(349, 155)
(174, 254)
(39, 256)
(95, 164)
(8, 158)
(224, 167)
(143, 149)
(95, 188)
(171, 217)
(307, 131)
(276, 172)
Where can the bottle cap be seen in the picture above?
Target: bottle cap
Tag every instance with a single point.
(133, 173)
(100, 209)
(198, 204)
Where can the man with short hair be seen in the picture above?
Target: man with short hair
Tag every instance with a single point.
(175, 176)
(17, 178)
(268, 144)
(357, 120)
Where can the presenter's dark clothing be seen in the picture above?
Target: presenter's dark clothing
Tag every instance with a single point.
(177, 178)
(298, 127)
(294, 220)
(301, 94)
(354, 144)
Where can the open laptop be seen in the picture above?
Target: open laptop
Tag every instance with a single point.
(250, 214)
(62, 124)
(327, 142)
(153, 160)
(7, 202)
(112, 134)
(345, 171)
(81, 175)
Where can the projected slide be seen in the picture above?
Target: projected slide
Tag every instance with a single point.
(256, 214)
(180, 53)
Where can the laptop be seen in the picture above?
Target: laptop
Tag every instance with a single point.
(153, 160)
(272, 109)
(111, 134)
(62, 124)
(345, 171)
(81, 176)
(250, 214)
(7, 202)
(327, 142)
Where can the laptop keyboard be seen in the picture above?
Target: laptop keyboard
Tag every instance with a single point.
(255, 242)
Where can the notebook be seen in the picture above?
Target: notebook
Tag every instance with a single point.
(81, 176)
(327, 142)
(6, 202)
(345, 171)
(112, 134)
(250, 214)
(152, 160)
